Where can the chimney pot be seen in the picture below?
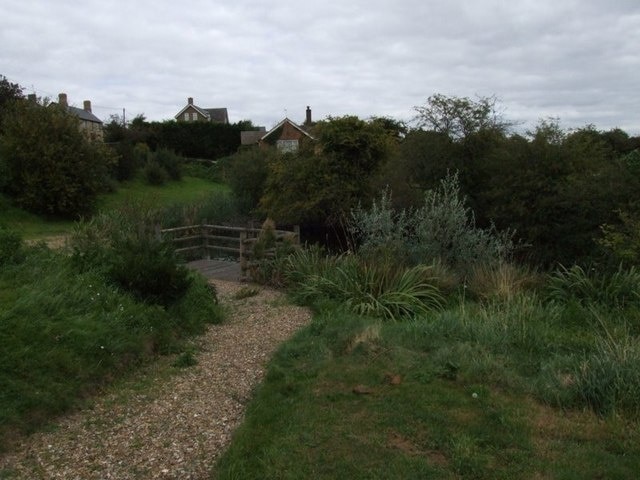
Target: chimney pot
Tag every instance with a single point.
(62, 100)
(190, 100)
(87, 106)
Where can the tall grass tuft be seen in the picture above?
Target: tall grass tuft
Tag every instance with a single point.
(617, 290)
(366, 288)
(502, 280)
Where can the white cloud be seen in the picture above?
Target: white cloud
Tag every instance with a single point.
(569, 59)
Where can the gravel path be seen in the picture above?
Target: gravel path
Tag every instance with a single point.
(177, 425)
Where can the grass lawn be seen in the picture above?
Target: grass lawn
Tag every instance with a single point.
(33, 227)
(351, 397)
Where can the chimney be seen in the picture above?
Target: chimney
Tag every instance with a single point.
(32, 98)
(62, 100)
(190, 100)
(308, 120)
(87, 106)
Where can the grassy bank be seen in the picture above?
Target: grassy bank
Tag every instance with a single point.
(497, 380)
(186, 191)
(351, 397)
(66, 332)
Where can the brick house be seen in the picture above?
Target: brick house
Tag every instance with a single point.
(193, 113)
(287, 135)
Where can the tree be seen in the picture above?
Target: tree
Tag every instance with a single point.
(460, 117)
(50, 167)
(321, 182)
(248, 172)
(9, 93)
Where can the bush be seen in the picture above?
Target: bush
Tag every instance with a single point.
(168, 160)
(146, 267)
(49, 165)
(154, 173)
(123, 245)
(443, 229)
(247, 174)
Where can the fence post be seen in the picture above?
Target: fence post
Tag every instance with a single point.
(296, 230)
(158, 232)
(205, 240)
(243, 259)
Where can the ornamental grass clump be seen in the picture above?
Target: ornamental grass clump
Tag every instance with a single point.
(375, 289)
(616, 290)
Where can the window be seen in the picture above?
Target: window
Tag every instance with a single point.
(186, 116)
(287, 146)
(194, 116)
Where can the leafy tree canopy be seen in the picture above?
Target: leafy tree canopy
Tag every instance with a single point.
(48, 164)
(459, 117)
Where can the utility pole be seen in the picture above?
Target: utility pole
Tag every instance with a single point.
(124, 121)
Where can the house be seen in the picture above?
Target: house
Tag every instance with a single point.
(287, 135)
(193, 113)
(90, 125)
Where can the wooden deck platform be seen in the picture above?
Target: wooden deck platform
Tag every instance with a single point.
(217, 269)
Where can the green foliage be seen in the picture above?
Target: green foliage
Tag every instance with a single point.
(146, 268)
(124, 245)
(154, 173)
(366, 288)
(247, 174)
(11, 248)
(443, 229)
(449, 396)
(193, 139)
(171, 162)
(51, 167)
(65, 333)
(360, 145)
(618, 289)
(460, 117)
(322, 182)
(622, 241)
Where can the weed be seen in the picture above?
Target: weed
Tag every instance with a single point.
(246, 292)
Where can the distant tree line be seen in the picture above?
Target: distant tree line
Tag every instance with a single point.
(570, 196)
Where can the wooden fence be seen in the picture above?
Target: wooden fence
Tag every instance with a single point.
(222, 242)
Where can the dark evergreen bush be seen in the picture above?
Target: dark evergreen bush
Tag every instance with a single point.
(154, 173)
(146, 267)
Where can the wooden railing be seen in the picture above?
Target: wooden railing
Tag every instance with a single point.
(223, 242)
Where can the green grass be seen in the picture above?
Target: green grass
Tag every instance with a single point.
(462, 393)
(66, 333)
(188, 190)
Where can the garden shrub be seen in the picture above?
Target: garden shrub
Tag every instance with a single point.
(124, 246)
(443, 229)
(154, 173)
(147, 268)
(168, 160)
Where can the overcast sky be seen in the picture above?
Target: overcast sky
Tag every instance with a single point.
(575, 60)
